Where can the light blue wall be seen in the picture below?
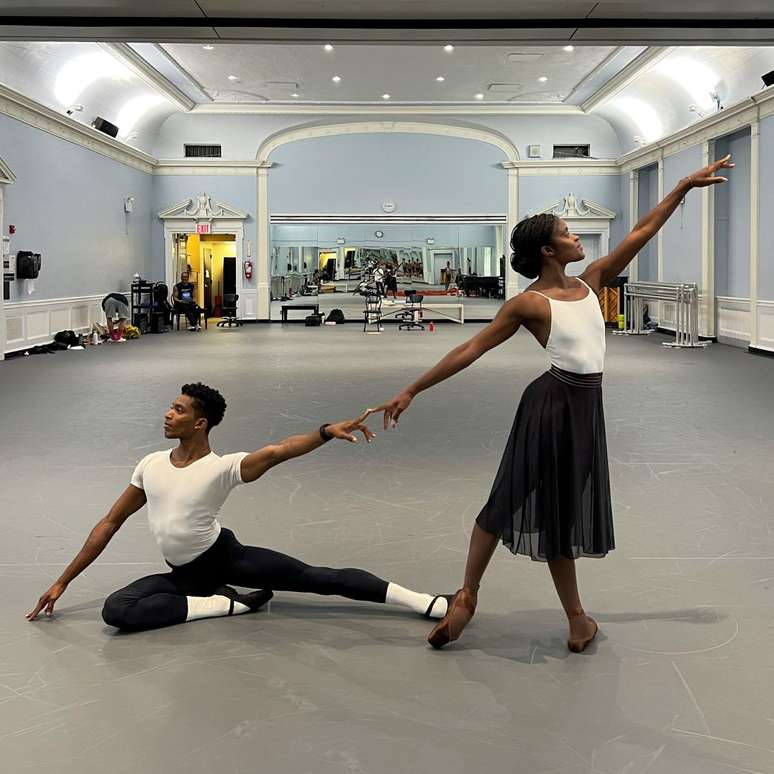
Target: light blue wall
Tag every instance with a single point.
(238, 191)
(647, 199)
(682, 232)
(356, 173)
(538, 192)
(766, 212)
(732, 219)
(68, 205)
(395, 234)
(241, 135)
(620, 227)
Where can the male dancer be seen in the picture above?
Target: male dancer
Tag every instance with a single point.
(185, 488)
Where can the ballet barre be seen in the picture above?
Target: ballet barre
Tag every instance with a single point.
(685, 297)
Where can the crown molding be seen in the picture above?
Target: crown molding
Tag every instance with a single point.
(129, 57)
(558, 167)
(741, 114)
(379, 109)
(381, 217)
(26, 110)
(205, 167)
(622, 79)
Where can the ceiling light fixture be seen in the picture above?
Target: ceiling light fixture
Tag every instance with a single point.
(440, 79)
(543, 78)
(208, 47)
(448, 48)
(233, 77)
(569, 49)
(336, 79)
(385, 96)
(479, 96)
(328, 47)
(294, 94)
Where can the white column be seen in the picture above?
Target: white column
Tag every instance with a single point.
(707, 289)
(3, 334)
(634, 177)
(262, 278)
(511, 277)
(660, 236)
(755, 134)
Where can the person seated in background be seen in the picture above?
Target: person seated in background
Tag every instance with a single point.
(183, 301)
(116, 305)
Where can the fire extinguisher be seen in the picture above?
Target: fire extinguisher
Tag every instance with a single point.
(248, 269)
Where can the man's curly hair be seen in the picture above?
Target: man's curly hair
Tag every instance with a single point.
(207, 403)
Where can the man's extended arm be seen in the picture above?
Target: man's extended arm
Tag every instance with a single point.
(128, 503)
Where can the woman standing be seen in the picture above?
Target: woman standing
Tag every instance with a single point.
(551, 497)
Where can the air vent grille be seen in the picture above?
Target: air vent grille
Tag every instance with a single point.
(572, 151)
(203, 151)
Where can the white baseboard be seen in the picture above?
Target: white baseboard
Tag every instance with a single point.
(32, 323)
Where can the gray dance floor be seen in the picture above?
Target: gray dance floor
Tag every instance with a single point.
(679, 682)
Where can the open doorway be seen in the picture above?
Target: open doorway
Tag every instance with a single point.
(210, 260)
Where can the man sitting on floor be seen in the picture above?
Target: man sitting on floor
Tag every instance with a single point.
(185, 488)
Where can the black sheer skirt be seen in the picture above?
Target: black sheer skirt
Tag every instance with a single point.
(551, 496)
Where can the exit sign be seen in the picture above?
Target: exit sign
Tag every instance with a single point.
(202, 228)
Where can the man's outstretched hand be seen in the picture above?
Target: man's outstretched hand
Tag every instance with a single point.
(47, 601)
(345, 430)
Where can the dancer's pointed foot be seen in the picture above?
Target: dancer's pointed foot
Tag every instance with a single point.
(449, 628)
(253, 600)
(583, 629)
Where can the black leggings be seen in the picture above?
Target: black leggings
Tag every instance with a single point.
(160, 600)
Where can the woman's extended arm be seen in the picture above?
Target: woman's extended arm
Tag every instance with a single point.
(504, 325)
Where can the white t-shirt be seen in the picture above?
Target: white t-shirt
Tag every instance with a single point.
(184, 503)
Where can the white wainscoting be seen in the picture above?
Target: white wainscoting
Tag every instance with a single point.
(733, 319)
(766, 325)
(31, 323)
(248, 304)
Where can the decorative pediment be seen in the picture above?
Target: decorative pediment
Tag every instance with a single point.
(6, 176)
(201, 209)
(573, 207)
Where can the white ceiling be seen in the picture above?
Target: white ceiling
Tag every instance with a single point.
(406, 73)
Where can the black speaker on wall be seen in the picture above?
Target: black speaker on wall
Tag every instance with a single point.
(768, 79)
(102, 125)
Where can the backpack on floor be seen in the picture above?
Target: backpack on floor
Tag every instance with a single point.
(68, 338)
(313, 320)
(336, 316)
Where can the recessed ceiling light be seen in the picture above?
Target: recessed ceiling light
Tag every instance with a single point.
(385, 96)
(208, 47)
(448, 48)
(479, 96)
(328, 47)
(569, 48)
(543, 78)
(336, 79)
(233, 77)
(440, 79)
(294, 94)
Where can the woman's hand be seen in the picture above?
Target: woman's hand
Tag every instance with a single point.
(47, 601)
(395, 407)
(345, 430)
(706, 175)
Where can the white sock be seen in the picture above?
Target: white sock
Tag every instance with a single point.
(212, 607)
(397, 595)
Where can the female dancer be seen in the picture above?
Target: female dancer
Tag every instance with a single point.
(551, 497)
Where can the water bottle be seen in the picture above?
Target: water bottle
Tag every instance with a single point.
(94, 338)
(431, 326)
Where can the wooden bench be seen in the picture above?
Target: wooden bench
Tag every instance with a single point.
(303, 307)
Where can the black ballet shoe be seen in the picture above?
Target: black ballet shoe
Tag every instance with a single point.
(447, 597)
(578, 646)
(461, 609)
(255, 600)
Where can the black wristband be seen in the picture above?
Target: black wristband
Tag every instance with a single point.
(324, 434)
